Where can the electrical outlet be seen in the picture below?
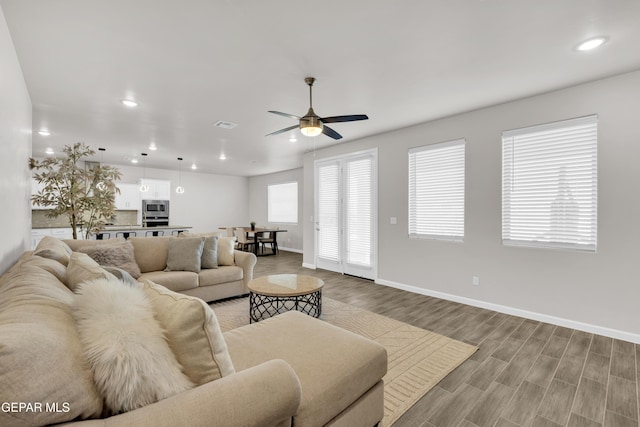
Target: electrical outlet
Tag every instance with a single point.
(475, 280)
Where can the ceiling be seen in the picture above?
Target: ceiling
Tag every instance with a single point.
(191, 63)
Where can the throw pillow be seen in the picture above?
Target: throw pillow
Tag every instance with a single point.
(131, 361)
(83, 268)
(193, 333)
(119, 255)
(122, 275)
(225, 250)
(185, 254)
(52, 248)
(210, 252)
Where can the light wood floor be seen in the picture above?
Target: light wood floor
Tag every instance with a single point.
(525, 373)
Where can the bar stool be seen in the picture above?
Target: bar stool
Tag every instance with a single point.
(125, 234)
(154, 233)
(102, 235)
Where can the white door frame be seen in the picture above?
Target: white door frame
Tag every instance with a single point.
(341, 266)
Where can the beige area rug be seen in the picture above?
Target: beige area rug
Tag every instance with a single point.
(417, 359)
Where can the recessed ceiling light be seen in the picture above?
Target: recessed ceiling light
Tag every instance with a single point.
(194, 167)
(293, 138)
(591, 43)
(223, 157)
(153, 146)
(49, 151)
(129, 103)
(44, 132)
(134, 160)
(224, 124)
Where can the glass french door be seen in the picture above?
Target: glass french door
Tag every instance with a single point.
(346, 214)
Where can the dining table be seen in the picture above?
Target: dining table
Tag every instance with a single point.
(255, 233)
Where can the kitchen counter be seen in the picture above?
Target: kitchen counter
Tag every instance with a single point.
(138, 227)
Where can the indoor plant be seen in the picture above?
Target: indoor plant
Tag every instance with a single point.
(85, 195)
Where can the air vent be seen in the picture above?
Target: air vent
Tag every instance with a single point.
(225, 125)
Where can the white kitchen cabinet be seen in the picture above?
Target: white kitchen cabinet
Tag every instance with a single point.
(129, 197)
(38, 234)
(159, 189)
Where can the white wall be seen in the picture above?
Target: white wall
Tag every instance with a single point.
(292, 239)
(209, 201)
(591, 291)
(15, 150)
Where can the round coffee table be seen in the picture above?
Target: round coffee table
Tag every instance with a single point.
(277, 293)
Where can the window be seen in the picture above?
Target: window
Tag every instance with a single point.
(282, 201)
(436, 191)
(549, 185)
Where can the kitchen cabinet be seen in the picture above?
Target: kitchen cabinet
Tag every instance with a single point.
(129, 197)
(61, 233)
(158, 189)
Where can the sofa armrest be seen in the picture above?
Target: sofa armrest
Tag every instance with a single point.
(266, 394)
(246, 261)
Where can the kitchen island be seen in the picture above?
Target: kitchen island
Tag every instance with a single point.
(112, 231)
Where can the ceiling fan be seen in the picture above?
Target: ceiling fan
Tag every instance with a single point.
(313, 125)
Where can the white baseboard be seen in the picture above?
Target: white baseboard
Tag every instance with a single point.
(307, 265)
(568, 323)
(282, 248)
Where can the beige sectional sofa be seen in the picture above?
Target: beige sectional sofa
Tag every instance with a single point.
(233, 272)
(288, 370)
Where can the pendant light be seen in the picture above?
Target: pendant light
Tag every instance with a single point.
(101, 185)
(180, 188)
(144, 187)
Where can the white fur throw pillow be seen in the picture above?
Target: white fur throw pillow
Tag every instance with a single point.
(131, 361)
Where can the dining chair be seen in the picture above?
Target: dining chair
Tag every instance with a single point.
(269, 238)
(243, 243)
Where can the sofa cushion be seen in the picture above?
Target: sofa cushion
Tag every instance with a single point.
(210, 252)
(77, 245)
(151, 252)
(185, 254)
(132, 363)
(193, 333)
(225, 250)
(82, 268)
(52, 248)
(174, 280)
(49, 265)
(41, 359)
(119, 255)
(355, 363)
(220, 275)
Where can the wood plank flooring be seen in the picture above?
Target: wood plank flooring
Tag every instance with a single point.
(525, 373)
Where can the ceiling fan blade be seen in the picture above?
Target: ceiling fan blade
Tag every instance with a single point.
(291, 116)
(331, 133)
(350, 118)
(283, 130)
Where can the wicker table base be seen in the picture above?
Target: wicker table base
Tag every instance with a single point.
(275, 294)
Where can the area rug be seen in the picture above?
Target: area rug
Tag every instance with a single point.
(417, 359)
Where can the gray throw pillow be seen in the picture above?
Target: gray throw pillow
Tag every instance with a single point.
(185, 254)
(210, 252)
(122, 275)
(119, 255)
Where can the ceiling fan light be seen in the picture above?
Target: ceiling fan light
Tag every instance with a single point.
(310, 125)
(311, 130)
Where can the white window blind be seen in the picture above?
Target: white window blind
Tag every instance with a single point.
(358, 211)
(282, 202)
(328, 212)
(549, 185)
(436, 191)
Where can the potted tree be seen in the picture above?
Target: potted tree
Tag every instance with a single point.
(85, 195)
